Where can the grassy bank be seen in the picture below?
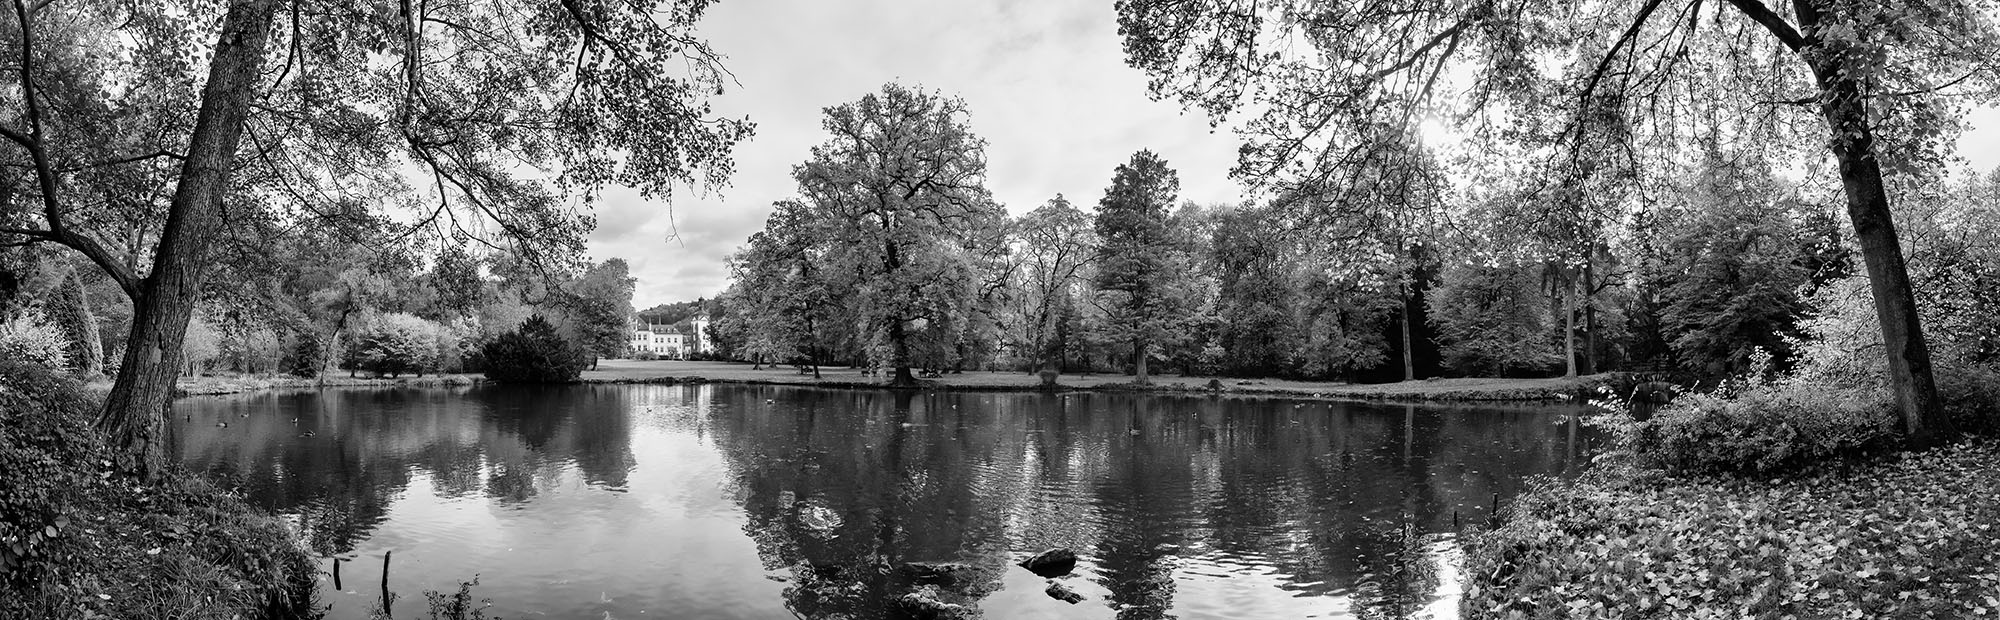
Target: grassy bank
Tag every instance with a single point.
(226, 384)
(79, 540)
(633, 371)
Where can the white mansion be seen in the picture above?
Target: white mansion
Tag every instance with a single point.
(669, 341)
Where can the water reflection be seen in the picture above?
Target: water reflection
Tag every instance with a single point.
(751, 501)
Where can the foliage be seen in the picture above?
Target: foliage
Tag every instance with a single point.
(28, 336)
(533, 353)
(1491, 319)
(599, 304)
(1054, 244)
(397, 343)
(1909, 536)
(71, 311)
(1762, 427)
(909, 225)
(1257, 310)
(79, 540)
(1733, 266)
(1136, 269)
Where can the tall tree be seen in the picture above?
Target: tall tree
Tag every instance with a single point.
(335, 103)
(1135, 264)
(1876, 74)
(599, 306)
(786, 298)
(1055, 244)
(903, 178)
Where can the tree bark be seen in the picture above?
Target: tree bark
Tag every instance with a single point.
(1139, 355)
(134, 412)
(1569, 330)
(1910, 375)
(1409, 358)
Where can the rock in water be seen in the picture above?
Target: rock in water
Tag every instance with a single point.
(1051, 563)
(1062, 593)
(947, 575)
(925, 603)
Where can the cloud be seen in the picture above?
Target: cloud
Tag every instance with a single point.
(1045, 81)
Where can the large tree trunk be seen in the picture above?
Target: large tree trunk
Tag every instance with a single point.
(1589, 314)
(899, 355)
(134, 412)
(1569, 330)
(1910, 375)
(1139, 355)
(1409, 357)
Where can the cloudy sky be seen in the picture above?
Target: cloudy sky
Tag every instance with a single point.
(1045, 81)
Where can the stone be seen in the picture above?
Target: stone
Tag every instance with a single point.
(946, 575)
(1062, 593)
(1054, 562)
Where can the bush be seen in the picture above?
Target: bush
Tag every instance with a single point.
(78, 539)
(1971, 398)
(1765, 427)
(394, 344)
(533, 353)
(30, 337)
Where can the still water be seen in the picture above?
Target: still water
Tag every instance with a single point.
(721, 501)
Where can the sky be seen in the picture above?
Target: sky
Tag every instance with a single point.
(1045, 81)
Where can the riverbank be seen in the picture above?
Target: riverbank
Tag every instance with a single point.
(1464, 390)
(224, 384)
(79, 539)
(1910, 535)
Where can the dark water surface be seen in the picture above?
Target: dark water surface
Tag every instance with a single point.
(720, 501)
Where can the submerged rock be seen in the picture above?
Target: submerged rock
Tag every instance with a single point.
(1054, 562)
(925, 603)
(947, 575)
(1062, 593)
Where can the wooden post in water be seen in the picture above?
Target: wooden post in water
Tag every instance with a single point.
(336, 574)
(386, 600)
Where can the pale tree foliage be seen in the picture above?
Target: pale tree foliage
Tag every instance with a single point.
(143, 132)
(901, 186)
(1879, 78)
(784, 297)
(1054, 244)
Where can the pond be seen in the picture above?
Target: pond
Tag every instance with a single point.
(728, 501)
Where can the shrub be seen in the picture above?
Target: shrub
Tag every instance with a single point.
(397, 343)
(78, 539)
(1971, 398)
(30, 337)
(533, 353)
(303, 358)
(1764, 427)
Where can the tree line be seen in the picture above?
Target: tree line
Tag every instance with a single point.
(895, 255)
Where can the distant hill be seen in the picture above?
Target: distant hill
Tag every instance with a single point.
(673, 313)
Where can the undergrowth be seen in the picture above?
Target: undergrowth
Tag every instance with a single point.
(81, 540)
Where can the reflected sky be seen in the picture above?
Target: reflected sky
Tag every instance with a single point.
(724, 501)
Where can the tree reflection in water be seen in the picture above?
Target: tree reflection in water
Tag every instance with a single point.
(875, 504)
(845, 490)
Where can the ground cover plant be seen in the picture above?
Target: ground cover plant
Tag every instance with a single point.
(80, 540)
(1913, 535)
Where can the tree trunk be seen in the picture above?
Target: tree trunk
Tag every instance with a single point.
(1409, 358)
(1910, 375)
(1589, 316)
(899, 355)
(133, 414)
(1569, 330)
(1139, 356)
